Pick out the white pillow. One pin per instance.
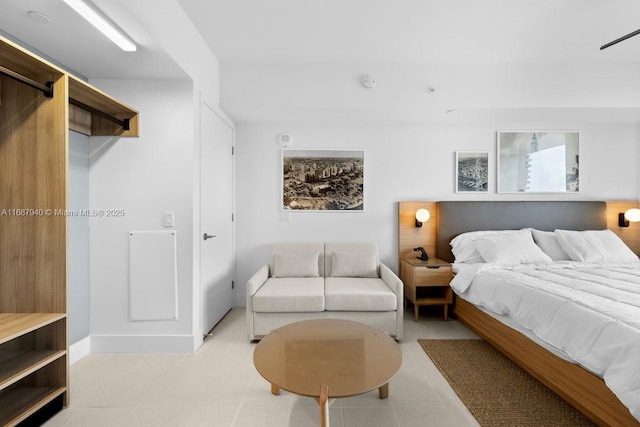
(595, 246)
(302, 264)
(509, 249)
(354, 264)
(548, 242)
(464, 250)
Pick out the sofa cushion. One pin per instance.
(358, 294)
(303, 264)
(290, 294)
(297, 248)
(364, 249)
(354, 264)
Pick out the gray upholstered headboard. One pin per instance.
(458, 217)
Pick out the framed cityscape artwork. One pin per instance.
(539, 162)
(472, 172)
(322, 180)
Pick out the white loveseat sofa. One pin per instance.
(324, 280)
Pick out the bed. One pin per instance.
(578, 385)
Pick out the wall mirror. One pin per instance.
(538, 162)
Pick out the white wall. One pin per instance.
(402, 162)
(78, 247)
(145, 176)
(159, 171)
(170, 27)
(638, 161)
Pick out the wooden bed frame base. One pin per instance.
(585, 391)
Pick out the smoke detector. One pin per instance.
(285, 140)
(369, 82)
(39, 17)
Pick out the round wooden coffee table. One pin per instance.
(350, 357)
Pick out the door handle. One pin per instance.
(207, 236)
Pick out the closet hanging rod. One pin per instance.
(122, 122)
(46, 88)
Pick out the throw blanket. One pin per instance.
(591, 313)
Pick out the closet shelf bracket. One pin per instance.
(122, 122)
(46, 89)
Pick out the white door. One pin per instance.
(216, 210)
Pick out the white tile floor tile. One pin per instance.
(219, 387)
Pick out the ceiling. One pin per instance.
(416, 31)
(71, 42)
(254, 38)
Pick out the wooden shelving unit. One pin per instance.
(39, 104)
(13, 325)
(82, 92)
(24, 402)
(18, 364)
(33, 365)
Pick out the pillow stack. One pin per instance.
(595, 246)
(528, 246)
(505, 247)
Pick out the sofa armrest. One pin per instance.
(257, 280)
(397, 287)
(253, 284)
(392, 281)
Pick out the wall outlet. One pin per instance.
(285, 216)
(168, 219)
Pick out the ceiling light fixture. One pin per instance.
(96, 18)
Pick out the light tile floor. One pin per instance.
(218, 386)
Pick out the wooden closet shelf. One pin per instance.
(13, 325)
(108, 115)
(21, 64)
(23, 402)
(16, 365)
(87, 94)
(24, 62)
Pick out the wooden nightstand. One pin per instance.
(427, 283)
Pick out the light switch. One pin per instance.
(168, 219)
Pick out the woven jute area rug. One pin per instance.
(497, 391)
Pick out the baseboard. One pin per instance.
(79, 349)
(143, 343)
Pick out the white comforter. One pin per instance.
(590, 312)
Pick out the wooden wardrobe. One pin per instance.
(37, 100)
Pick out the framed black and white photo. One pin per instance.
(323, 180)
(472, 172)
(539, 162)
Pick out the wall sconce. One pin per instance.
(422, 215)
(631, 215)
